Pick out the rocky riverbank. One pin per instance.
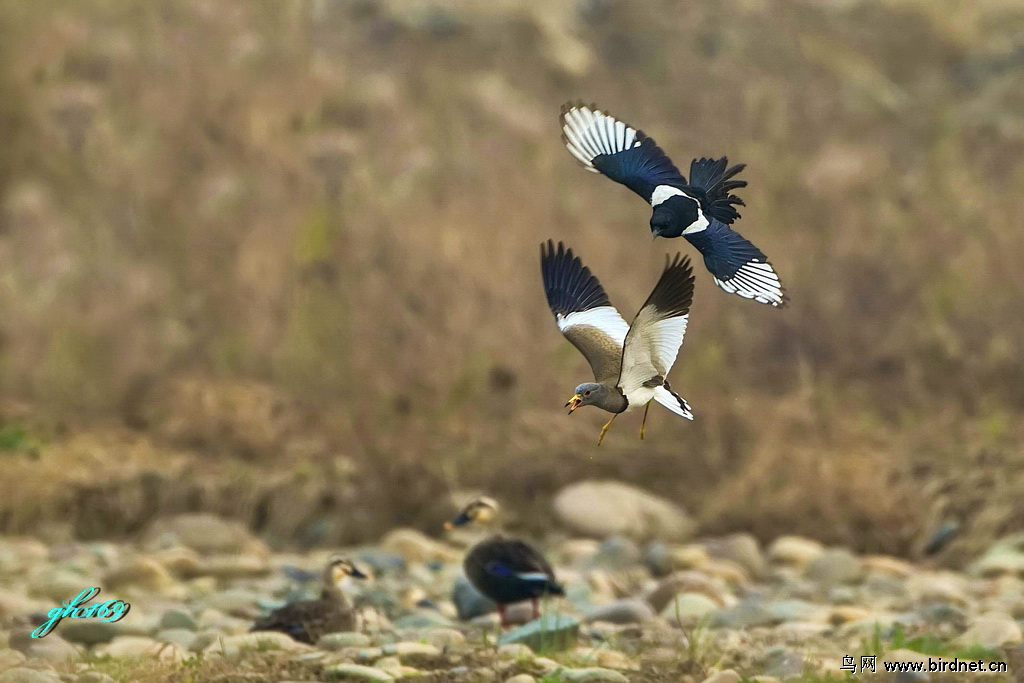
(684, 610)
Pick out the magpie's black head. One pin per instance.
(673, 215)
(661, 222)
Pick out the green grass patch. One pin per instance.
(16, 439)
(925, 643)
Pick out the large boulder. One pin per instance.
(549, 633)
(992, 631)
(1005, 556)
(415, 547)
(623, 611)
(834, 567)
(794, 551)
(22, 674)
(743, 549)
(609, 508)
(469, 602)
(204, 533)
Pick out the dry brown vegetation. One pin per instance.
(297, 242)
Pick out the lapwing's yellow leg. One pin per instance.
(644, 423)
(604, 430)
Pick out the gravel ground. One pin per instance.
(723, 609)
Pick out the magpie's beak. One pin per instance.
(356, 574)
(458, 521)
(573, 403)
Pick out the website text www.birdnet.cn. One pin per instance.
(869, 664)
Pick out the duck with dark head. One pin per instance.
(506, 570)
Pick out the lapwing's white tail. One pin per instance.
(673, 401)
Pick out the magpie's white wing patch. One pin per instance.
(664, 192)
(755, 280)
(739, 267)
(623, 153)
(589, 132)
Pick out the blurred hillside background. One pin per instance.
(279, 260)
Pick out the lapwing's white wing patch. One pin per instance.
(603, 318)
(657, 332)
(599, 334)
(650, 350)
(755, 280)
(583, 311)
(664, 338)
(590, 133)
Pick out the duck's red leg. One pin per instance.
(536, 608)
(501, 613)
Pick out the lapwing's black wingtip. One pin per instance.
(679, 260)
(673, 295)
(549, 251)
(568, 284)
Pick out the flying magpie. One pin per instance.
(700, 210)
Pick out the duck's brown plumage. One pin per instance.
(307, 620)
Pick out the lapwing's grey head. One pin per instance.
(482, 509)
(587, 394)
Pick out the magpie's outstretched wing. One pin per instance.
(606, 145)
(738, 266)
(583, 311)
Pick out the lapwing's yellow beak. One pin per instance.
(574, 403)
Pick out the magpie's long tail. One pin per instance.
(715, 178)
